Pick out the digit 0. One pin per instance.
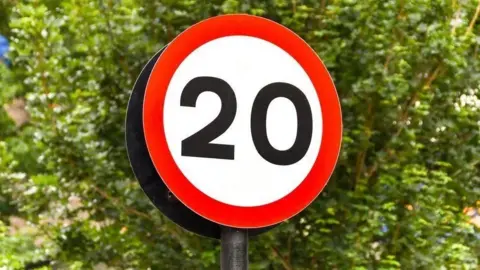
(258, 123)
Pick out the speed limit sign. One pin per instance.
(242, 121)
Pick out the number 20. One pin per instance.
(199, 144)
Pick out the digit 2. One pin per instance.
(199, 144)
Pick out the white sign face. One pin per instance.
(242, 121)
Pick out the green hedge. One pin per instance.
(407, 73)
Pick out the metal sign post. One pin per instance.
(234, 252)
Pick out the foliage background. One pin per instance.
(406, 189)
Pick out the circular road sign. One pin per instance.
(242, 121)
(145, 172)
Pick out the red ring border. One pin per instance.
(182, 188)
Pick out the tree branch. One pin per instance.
(284, 262)
(135, 212)
(403, 115)
(120, 205)
(474, 19)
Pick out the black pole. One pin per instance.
(234, 253)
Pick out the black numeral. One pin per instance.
(199, 144)
(258, 124)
